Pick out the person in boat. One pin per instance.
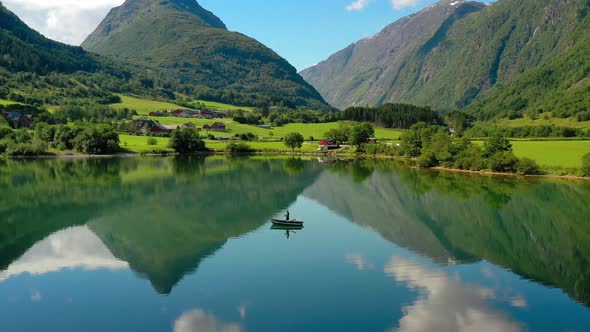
(287, 215)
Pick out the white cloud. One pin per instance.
(68, 21)
(200, 321)
(357, 5)
(401, 4)
(446, 304)
(72, 248)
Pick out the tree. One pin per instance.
(294, 140)
(186, 140)
(361, 133)
(586, 165)
(503, 162)
(496, 143)
(101, 139)
(527, 166)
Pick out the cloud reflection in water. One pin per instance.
(446, 304)
(72, 248)
(200, 321)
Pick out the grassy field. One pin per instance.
(315, 130)
(264, 146)
(144, 106)
(553, 153)
(138, 144)
(8, 102)
(526, 122)
(223, 107)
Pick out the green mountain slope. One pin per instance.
(23, 49)
(464, 59)
(194, 46)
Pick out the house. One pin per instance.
(372, 140)
(170, 127)
(206, 127)
(218, 126)
(328, 144)
(176, 113)
(146, 126)
(19, 120)
(189, 125)
(206, 114)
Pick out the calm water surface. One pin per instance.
(177, 244)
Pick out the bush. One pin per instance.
(238, 147)
(101, 139)
(3, 145)
(152, 141)
(186, 140)
(247, 137)
(34, 148)
(503, 162)
(6, 132)
(586, 165)
(527, 166)
(496, 144)
(470, 158)
(428, 159)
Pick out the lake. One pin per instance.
(185, 244)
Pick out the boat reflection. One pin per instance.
(287, 229)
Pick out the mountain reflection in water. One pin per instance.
(163, 217)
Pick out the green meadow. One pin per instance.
(315, 130)
(549, 154)
(559, 122)
(8, 102)
(139, 144)
(144, 106)
(567, 154)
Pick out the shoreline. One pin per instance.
(73, 156)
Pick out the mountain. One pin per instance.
(454, 53)
(23, 49)
(45, 72)
(193, 45)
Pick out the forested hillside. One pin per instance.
(473, 54)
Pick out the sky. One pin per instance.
(304, 32)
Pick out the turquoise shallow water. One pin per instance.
(185, 244)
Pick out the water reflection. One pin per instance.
(446, 303)
(538, 229)
(162, 217)
(73, 248)
(199, 321)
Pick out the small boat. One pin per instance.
(286, 228)
(290, 223)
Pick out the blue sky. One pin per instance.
(305, 32)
